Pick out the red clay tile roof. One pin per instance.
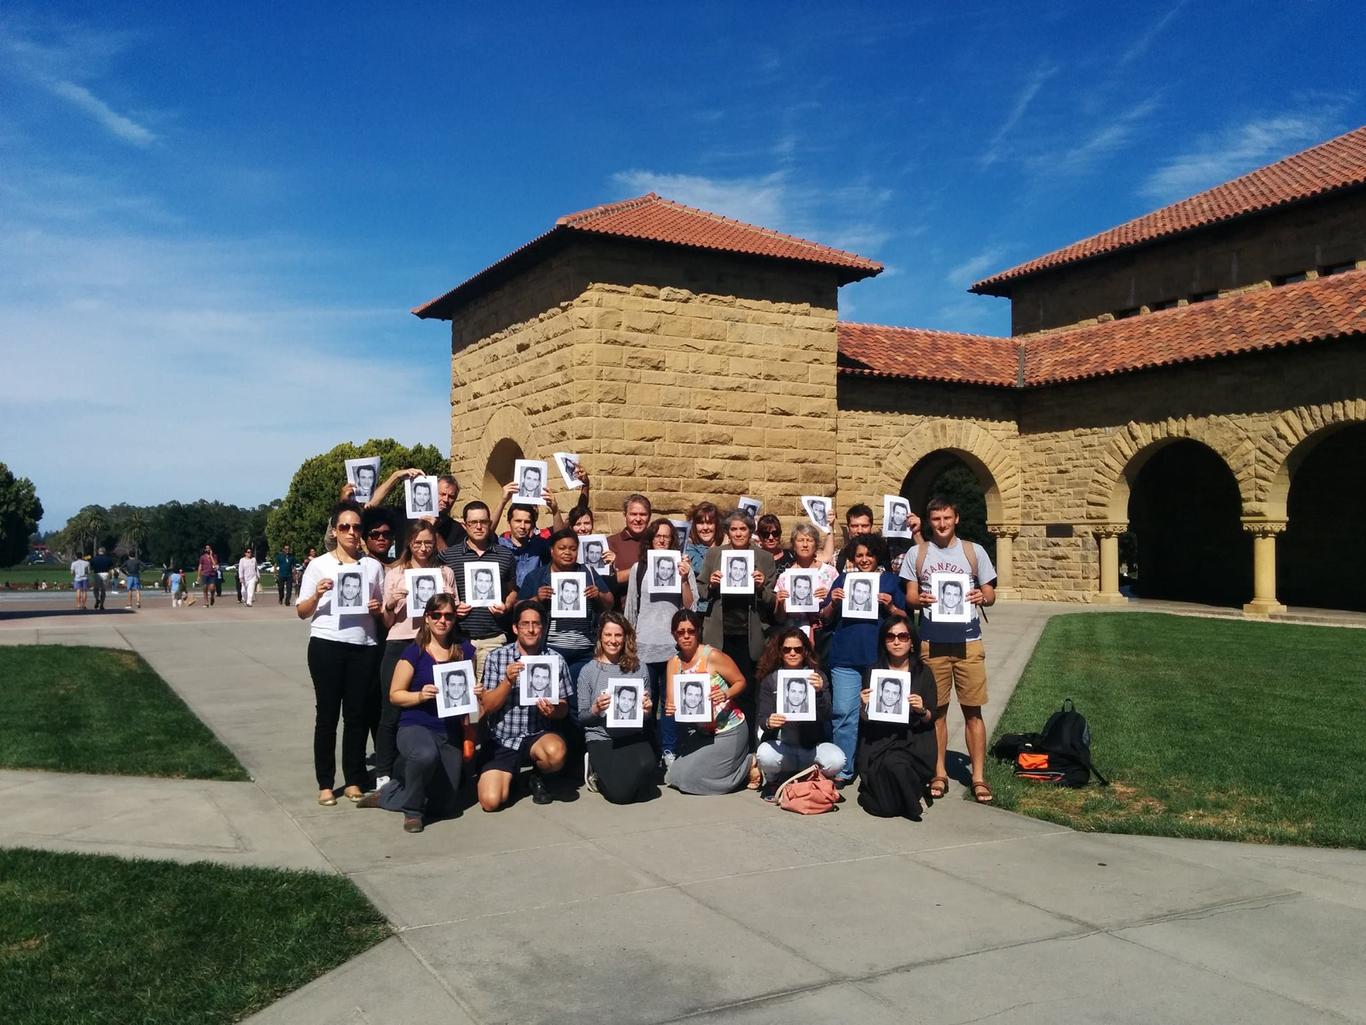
(652, 218)
(1272, 318)
(1336, 164)
(872, 350)
(1299, 314)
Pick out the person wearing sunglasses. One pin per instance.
(896, 760)
(769, 532)
(343, 656)
(785, 748)
(418, 553)
(432, 747)
(712, 757)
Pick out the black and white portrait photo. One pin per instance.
(692, 697)
(818, 511)
(454, 688)
(483, 585)
(681, 529)
(661, 571)
(530, 477)
(889, 699)
(350, 591)
(420, 493)
(568, 464)
(592, 547)
(569, 595)
(896, 516)
(796, 696)
(950, 592)
(749, 506)
(539, 678)
(860, 596)
(626, 704)
(422, 585)
(737, 571)
(362, 474)
(801, 591)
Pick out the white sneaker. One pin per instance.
(380, 782)
(668, 759)
(591, 782)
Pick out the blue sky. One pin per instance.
(214, 219)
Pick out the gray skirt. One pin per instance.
(711, 763)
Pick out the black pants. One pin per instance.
(386, 733)
(625, 768)
(737, 647)
(343, 681)
(285, 587)
(431, 772)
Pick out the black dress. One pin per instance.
(896, 761)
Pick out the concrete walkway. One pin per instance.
(728, 910)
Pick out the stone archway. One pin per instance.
(504, 438)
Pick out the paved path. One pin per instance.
(727, 910)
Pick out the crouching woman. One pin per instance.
(787, 747)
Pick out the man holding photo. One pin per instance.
(953, 651)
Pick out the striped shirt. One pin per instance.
(480, 623)
(513, 723)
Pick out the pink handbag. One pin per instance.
(807, 793)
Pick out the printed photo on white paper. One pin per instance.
(454, 688)
(819, 511)
(626, 702)
(350, 591)
(749, 506)
(363, 475)
(692, 697)
(592, 548)
(860, 596)
(950, 591)
(539, 678)
(568, 595)
(568, 464)
(896, 516)
(483, 585)
(801, 587)
(737, 571)
(420, 496)
(530, 477)
(661, 571)
(890, 697)
(681, 529)
(796, 695)
(422, 586)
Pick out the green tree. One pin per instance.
(133, 536)
(301, 519)
(20, 512)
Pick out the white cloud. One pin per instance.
(1141, 44)
(116, 124)
(1023, 99)
(1236, 150)
(971, 269)
(760, 200)
(1110, 137)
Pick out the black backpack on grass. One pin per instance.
(1060, 754)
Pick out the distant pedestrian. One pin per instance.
(132, 569)
(80, 579)
(176, 584)
(247, 576)
(101, 566)
(208, 574)
(284, 575)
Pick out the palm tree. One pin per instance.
(135, 532)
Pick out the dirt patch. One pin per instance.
(22, 947)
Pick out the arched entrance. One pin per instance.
(1320, 560)
(498, 471)
(945, 472)
(1185, 514)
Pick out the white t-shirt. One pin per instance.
(948, 560)
(246, 570)
(360, 629)
(80, 569)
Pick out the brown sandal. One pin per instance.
(756, 778)
(981, 792)
(939, 786)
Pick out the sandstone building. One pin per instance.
(1196, 376)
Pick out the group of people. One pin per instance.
(97, 574)
(709, 654)
(247, 571)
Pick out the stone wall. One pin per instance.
(1223, 258)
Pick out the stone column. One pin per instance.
(1264, 533)
(1107, 535)
(1005, 535)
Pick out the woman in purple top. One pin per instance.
(427, 786)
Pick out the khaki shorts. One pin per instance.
(482, 647)
(957, 667)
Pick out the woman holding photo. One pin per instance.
(432, 747)
(735, 623)
(806, 541)
(702, 536)
(418, 553)
(572, 637)
(853, 642)
(343, 657)
(652, 616)
(621, 760)
(713, 757)
(896, 760)
(785, 748)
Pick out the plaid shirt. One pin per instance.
(513, 723)
(480, 623)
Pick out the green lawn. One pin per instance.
(100, 710)
(99, 940)
(1206, 728)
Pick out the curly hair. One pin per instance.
(772, 658)
(629, 660)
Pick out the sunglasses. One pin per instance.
(380, 534)
(770, 533)
(684, 631)
(440, 615)
(477, 523)
(347, 528)
(789, 649)
(898, 637)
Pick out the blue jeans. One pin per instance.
(668, 729)
(846, 683)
